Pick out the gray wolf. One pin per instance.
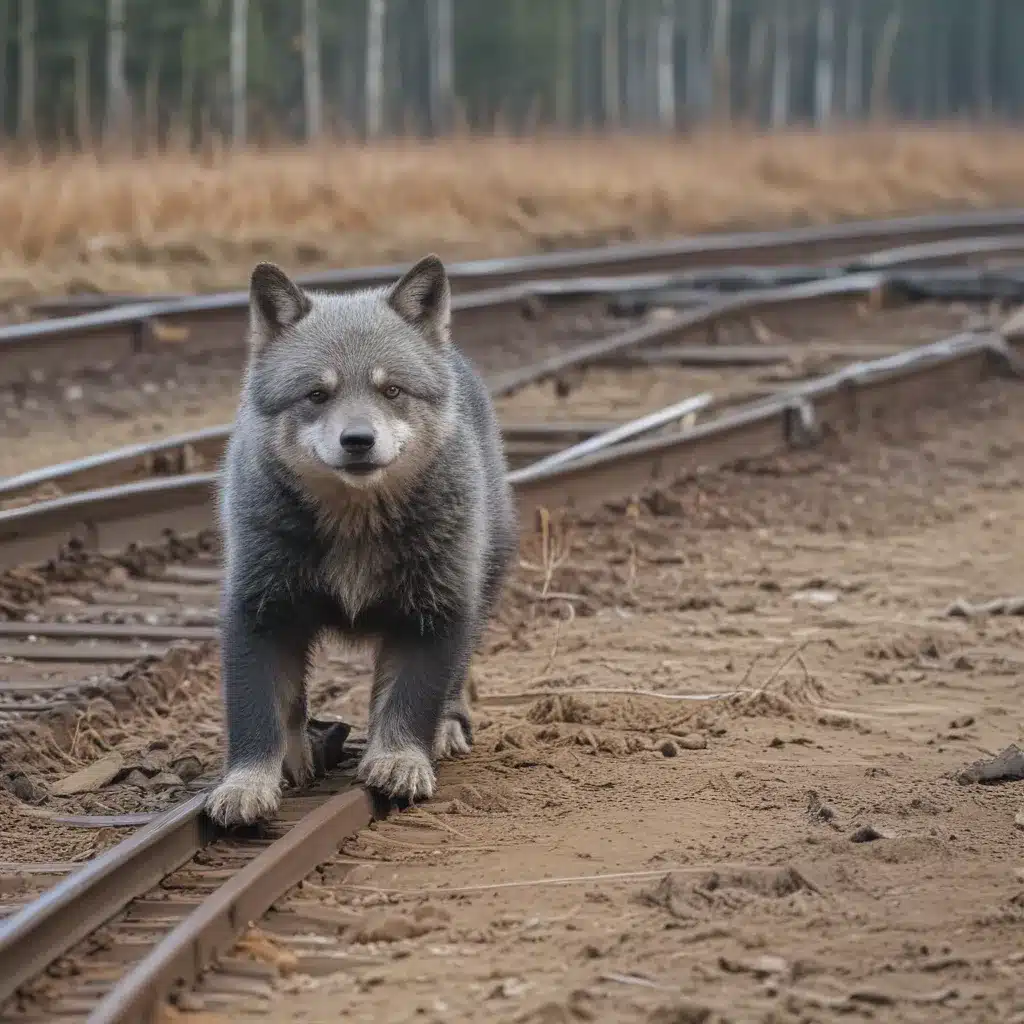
(363, 495)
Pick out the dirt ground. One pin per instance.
(799, 849)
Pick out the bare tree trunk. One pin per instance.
(188, 85)
(117, 89)
(152, 113)
(239, 71)
(374, 88)
(666, 63)
(757, 60)
(883, 63)
(27, 71)
(312, 85)
(5, 17)
(854, 87)
(564, 70)
(721, 70)
(80, 58)
(442, 60)
(982, 55)
(824, 68)
(781, 67)
(633, 104)
(610, 65)
(696, 65)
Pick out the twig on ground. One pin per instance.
(963, 609)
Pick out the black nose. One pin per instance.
(357, 438)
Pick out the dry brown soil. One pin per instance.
(799, 850)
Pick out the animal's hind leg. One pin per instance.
(455, 730)
(298, 756)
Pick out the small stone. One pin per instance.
(668, 748)
(23, 788)
(866, 834)
(74, 393)
(963, 722)
(187, 768)
(1019, 820)
(693, 741)
(138, 779)
(164, 780)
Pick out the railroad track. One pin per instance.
(142, 922)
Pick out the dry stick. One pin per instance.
(617, 691)
(615, 876)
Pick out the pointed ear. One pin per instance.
(423, 298)
(276, 302)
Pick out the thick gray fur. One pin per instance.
(364, 494)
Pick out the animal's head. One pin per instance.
(356, 389)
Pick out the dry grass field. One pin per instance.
(190, 222)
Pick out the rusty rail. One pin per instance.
(215, 321)
(150, 510)
(189, 452)
(814, 242)
(48, 927)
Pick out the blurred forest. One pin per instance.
(153, 73)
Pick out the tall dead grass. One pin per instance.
(180, 221)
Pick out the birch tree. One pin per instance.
(779, 114)
(442, 62)
(665, 33)
(117, 89)
(239, 70)
(824, 68)
(610, 67)
(312, 85)
(27, 70)
(374, 89)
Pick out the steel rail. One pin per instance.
(633, 428)
(211, 929)
(183, 453)
(53, 923)
(21, 540)
(703, 250)
(684, 325)
(214, 321)
(46, 928)
(149, 511)
(857, 393)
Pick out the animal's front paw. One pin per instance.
(402, 773)
(246, 795)
(298, 759)
(452, 739)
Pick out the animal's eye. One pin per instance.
(317, 396)
(392, 391)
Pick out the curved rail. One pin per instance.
(147, 511)
(150, 510)
(192, 451)
(705, 250)
(53, 923)
(215, 321)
